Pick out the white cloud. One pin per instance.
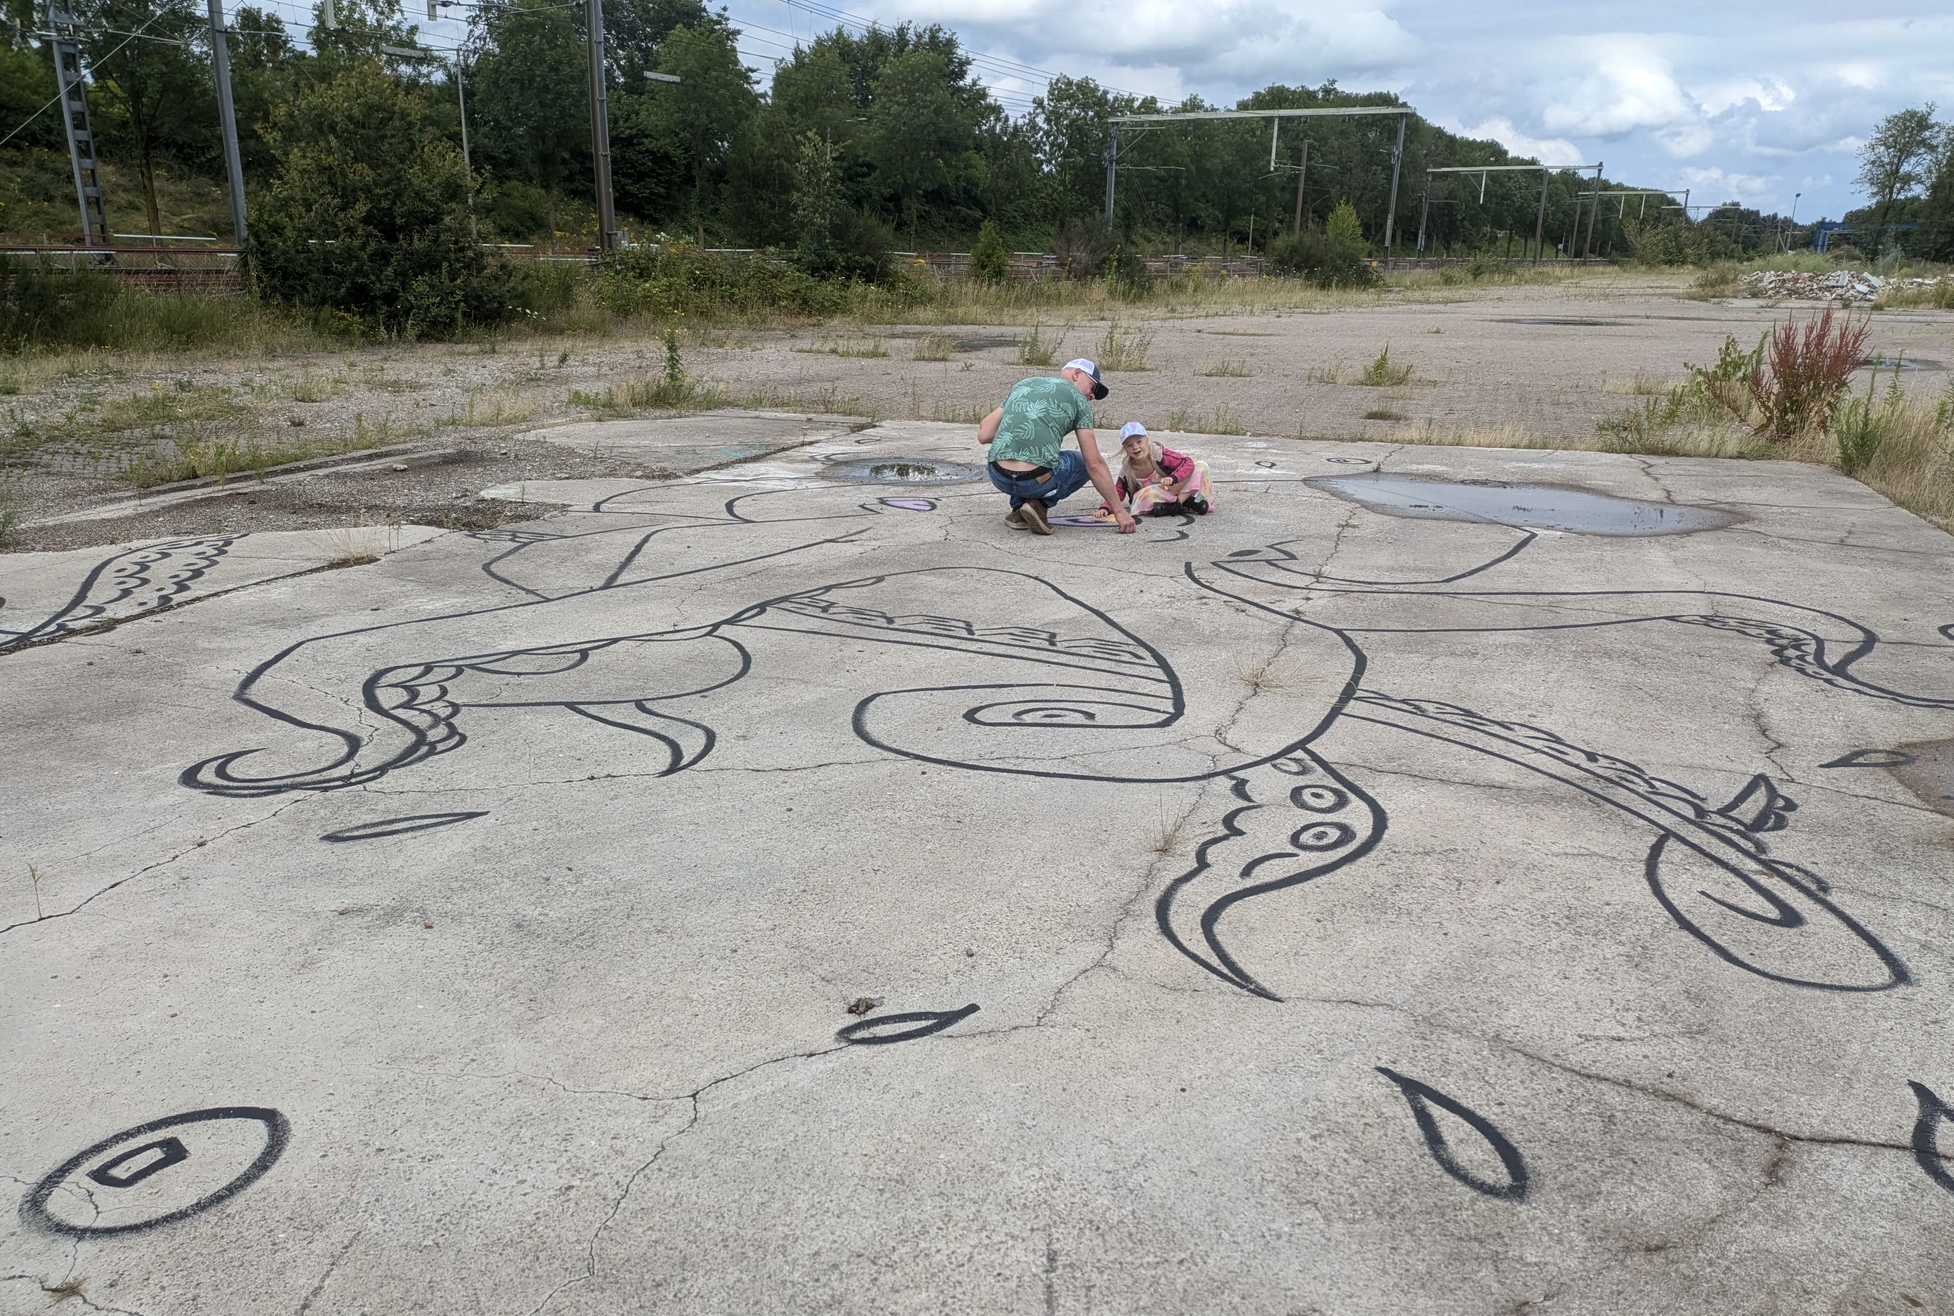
(1714, 186)
(1547, 150)
(1628, 87)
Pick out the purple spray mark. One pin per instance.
(911, 504)
(1079, 520)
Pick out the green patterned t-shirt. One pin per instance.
(1040, 412)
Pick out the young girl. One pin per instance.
(1157, 481)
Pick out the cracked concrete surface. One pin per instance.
(530, 876)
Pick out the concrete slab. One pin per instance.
(49, 595)
(768, 892)
(693, 442)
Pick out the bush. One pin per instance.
(856, 247)
(44, 306)
(366, 222)
(1127, 275)
(989, 261)
(1336, 259)
(676, 280)
(1803, 371)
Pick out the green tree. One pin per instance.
(266, 66)
(633, 31)
(918, 128)
(530, 99)
(1893, 163)
(707, 108)
(367, 215)
(989, 261)
(817, 191)
(153, 98)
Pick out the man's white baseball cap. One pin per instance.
(1080, 363)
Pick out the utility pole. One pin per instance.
(1587, 244)
(1397, 161)
(220, 56)
(1112, 172)
(467, 166)
(608, 238)
(1540, 224)
(1424, 213)
(1302, 174)
(74, 119)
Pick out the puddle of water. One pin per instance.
(902, 470)
(981, 344)
(1570, 320)
(1534, 506)
(1927, 769)
(1885, 363)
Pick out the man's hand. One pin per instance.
(1127, 525)
(987, 428)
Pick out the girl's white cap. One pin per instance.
(1129, 429)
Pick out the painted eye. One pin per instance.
(1318, 799)
(166, 1170)
(1322, 836)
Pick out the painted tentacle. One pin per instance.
(1744, 899)
(1295, 820)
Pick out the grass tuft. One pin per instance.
(1225, 369)
(1124, 349)
(1383, 373)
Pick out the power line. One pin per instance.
(157, 17)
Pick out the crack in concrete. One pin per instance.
(160, 863)
(110, 623)
(331, 1266)
(664, 1144)
(1627, 1085)
(63, 1291)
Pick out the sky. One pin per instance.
(1734, 99)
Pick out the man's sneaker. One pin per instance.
(1033, 513)
(1016, 519)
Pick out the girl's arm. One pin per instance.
(1179, 466)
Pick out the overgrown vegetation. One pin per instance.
(1383, 372)
(367, 222)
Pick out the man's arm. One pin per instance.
(1102, 480)
(987, 428)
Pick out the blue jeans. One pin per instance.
(1063, 480)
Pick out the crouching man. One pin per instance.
(1024, 435)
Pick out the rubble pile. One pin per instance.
(1838, 285)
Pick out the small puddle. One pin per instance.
(1534, 506)
(981, 344)
(1927, 769)
(902, 470)
(1894, 364)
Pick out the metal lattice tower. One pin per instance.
(74, 118)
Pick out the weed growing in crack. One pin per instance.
(1382, 373)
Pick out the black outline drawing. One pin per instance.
(33, 1207)
(167, 569)
(1926, 1134)
(1103, 691)
(1872, 758)
(1421, 1097)
(863, 1032)
(402, 826)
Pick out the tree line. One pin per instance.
(857, 138)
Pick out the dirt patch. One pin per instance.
(446, 493)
